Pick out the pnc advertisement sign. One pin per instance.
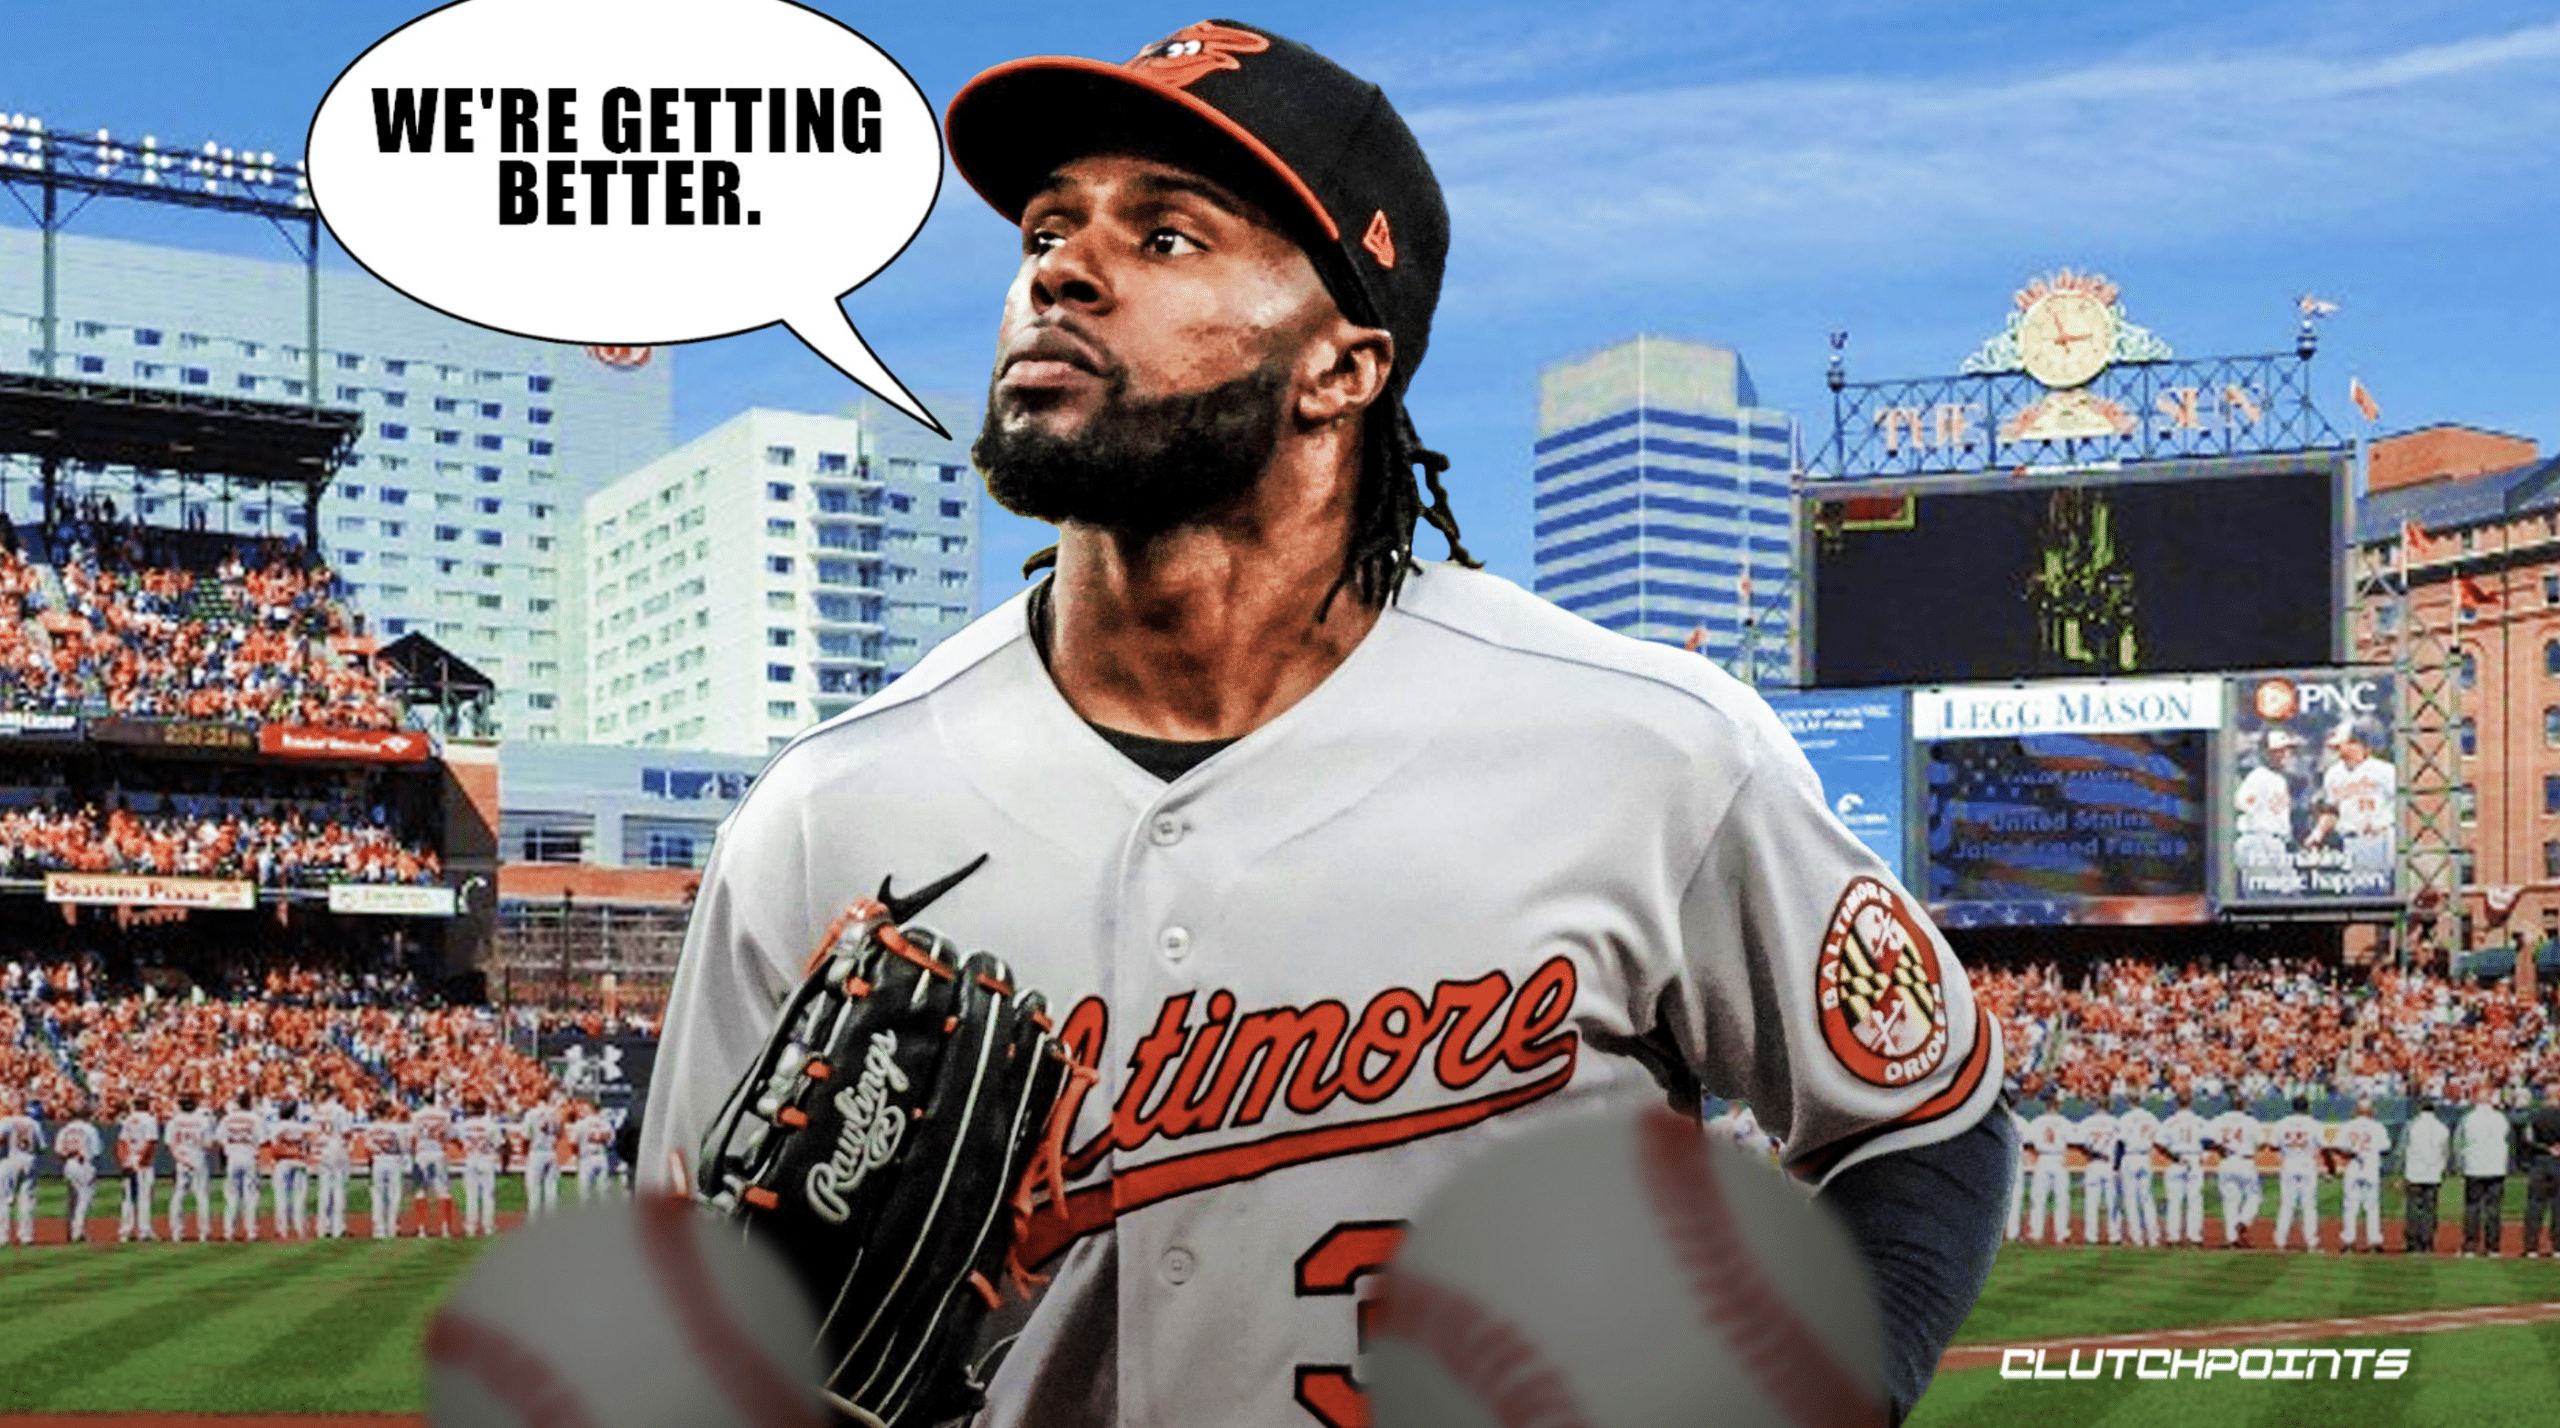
(2315, 801)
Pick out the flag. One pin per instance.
(1696, 641)
(2474, 594)
(2413, 546)
(2363, 399)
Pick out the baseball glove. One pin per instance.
(887, 1141)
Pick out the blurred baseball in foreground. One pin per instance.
(630, 1314)
(1623, 1270)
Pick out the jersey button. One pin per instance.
(1178, 1265)
(1176, 942)
(1166, 830)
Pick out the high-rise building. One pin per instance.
(770, 573)
(1663, 504)
(455, 515)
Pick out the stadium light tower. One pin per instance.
(41, 167)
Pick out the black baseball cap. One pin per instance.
(1319, 144)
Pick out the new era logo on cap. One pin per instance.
(1380, 242)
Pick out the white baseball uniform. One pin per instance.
(290, 1137)
(331, 1164)
(388, 1139)
(2364, 1139)
(2140, 1131)
(2049, 1136)
(136, 1136)
(2097, 1135)
(190, 1144)
(541, 1159)
(2026, 1170)
(430, 1128)
(480, 1138)
(2366, 801)
(1369, 917)
(240, 1133)
(2182, 1134)
(20, 1138)
(78, 1145)
(2236, 1174)
(593, 1137)
(2298, 1138)
(2264, 848)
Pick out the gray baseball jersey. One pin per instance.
(1499, 864)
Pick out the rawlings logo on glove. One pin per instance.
(870, 1132)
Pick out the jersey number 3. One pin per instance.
(1333, 1265)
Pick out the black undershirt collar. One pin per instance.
(1167, 759)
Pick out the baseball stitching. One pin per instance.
(1487, 1356)
(517, 1376)
(1776, 1349)
(750, 1378)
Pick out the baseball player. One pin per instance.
(430, 1154)
(2018, 1182)
(2049, 1136)
(2539, 1147)
(2363, 1141)
(541, 1123)
(2264, 848)
(1238, 686)
(190, 1148)
(2234, 1137)
(592, 1135)
(479, 1135)
(2425, 1151)
(77, 1146)
(2138, 1131)
(2359, 801)
(2182, 1134)
(331, 1163)
(2098, 1179)
(387, 1137)
(242, 1134)
(2301, 1141)
(289, 1145)
(20, 1138)
(137, 1132)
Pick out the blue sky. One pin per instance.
(1750, 175)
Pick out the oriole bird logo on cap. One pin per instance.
(1195, 50)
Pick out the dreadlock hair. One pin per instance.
(1385, 509)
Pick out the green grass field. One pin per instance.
(335, 1326)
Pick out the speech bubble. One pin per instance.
(627, 173)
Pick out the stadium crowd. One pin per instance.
(108, 631)
(2260, 1030)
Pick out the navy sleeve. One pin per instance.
(1928, 1222)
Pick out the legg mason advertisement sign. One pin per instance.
(2315, 791)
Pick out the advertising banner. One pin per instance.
(51, 728)
(391, 899)
(612, 1071)
(2315, 789)
(390, 746)
(2072, 802)
(1857, 743)
(175, 734)
(113, 889)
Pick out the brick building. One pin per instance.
(2480, 624)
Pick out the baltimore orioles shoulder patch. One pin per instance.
(1879, 988)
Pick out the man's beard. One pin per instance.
(1140, 466)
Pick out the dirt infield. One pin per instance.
(2292, 1331)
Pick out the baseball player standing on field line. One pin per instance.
(2026, 1169)
(2363, 1141)
(387, 1136)
(2298, 1139)
(2426, 1149)
(592, 1135)
(289, 1141)
(2234, 1137)
(77, 1145)
(430, 1153)
(190, 1146)
(2182, 1134)
(2484, 1143)
(2049, 1138)
(331, 1163)
(242, 1133)
(20, 1137)
(2139, 1131)
(479, 1136)
(2098, 1179)
(541, 1124)
(137, 1134)
(1243, 763)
